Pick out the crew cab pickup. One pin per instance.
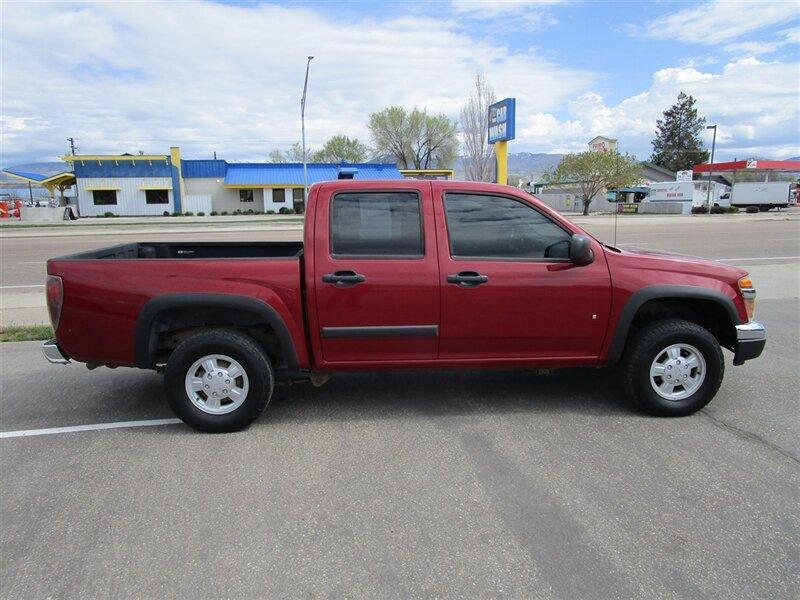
(401, 275)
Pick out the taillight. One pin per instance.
(748, 295)
(54, 289)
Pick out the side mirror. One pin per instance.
(580, 250)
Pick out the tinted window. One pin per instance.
(156, 196)
(104, 197)
(496, 227)
(376, 224)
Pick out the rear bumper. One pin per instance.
(750, 341)
(53, 353)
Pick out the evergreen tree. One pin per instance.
(677, 145)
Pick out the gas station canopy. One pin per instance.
(790, 166)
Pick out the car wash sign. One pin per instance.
(501, 120)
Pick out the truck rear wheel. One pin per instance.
(673, 368)
(218, 381)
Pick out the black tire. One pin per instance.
(237, 346)
(646, 344)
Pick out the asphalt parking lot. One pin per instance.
(418, 484)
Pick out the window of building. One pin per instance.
(279, 195)
(376, 224)
(483, 226)
(298, 200)
(245, 195)
(104, 197)
(156, 196)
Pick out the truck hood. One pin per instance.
(685, 263)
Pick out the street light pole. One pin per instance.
(303, 130)
(711, 167)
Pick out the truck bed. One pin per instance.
(207, 250)
(106, 289)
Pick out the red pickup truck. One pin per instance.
(401, 275)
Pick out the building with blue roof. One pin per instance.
(269, 186)
(128, 184)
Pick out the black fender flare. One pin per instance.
(656, 292)
(144, 338)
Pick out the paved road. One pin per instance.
(413, 485)
(738, 239)
(416, 485)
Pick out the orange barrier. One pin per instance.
(3, 209)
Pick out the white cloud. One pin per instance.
(753, 103)
(790, 37)
(529, 14)
(228, 78)
(717, 22)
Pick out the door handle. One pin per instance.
(343, 278)
(467, 279)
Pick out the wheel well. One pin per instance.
(173, 325)
(707, 313)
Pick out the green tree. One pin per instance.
(594, 172)
(341, 148)
(414, 139)
(677, 145)
(293, 154)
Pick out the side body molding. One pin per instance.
(657, 292)
(144, 338)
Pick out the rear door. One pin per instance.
(509, 290)
(376, 274)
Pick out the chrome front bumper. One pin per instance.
(750, 341)
(53, 353)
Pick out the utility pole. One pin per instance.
(71, 145)
(711, 167)
(303, 130)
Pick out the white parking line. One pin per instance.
(758, 258)
(96, 426)
(16, 287)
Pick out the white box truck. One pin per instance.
(692, 193)
(764, 195)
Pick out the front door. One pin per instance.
(298, 200)
(376, 275)
(509, 291)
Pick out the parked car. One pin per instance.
(401, 275)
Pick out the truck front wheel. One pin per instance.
(218, 381)
(673, 368)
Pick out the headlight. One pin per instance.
(748, 295)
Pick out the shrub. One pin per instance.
(270, 212)
(751, 210)
(718, 210)
(250, 211)
(109, 214)
(213, 213)
(176, 214)
(733, 210)
(698, 210)
(165, 213)
(224, 213)
(284, 211)
(238, 211)
(201, 214)
(188, 213)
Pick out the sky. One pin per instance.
(227, 76)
